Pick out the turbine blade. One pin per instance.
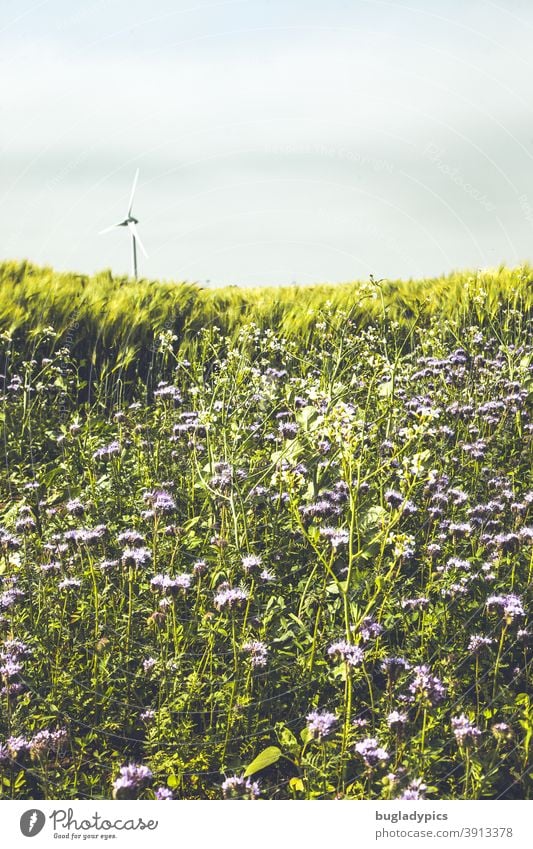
(135, 234)
(130, 207)
(108, 229)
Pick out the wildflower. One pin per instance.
(25, 524)
(69, 584)
(371, 752)
(161, 501)
(336, 536)
(414, 791)
(510, 605)
(415, 603)
(163, 793)
(228, 597)
(238, 787)
(85, 536)
(105, 565)
(171, 586)
(478, 642)
(393, 666)
(171, 393)
(369, 629)
(321, 725)
(132, 778)
(464, 731)
(396, 720)
(394, 498)
(251, 562)
(75, 507)
(147, 715)
(46, 741)
(460, 529)
(288, 430)
(149, 663)
(350, 654)
(199, 568)
(267, 576)
(107, 451)
(502, 731)
(17, 747)
(223, 477)
(130, 537)
(9, 597)
(426, 687)
(10, 668)
(136, 557)
(258, 652)
(8, 542)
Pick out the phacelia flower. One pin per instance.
(321, 724)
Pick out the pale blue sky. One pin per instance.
(277, 141)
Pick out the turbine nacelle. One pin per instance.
(131, 223)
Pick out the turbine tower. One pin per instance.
(131, 223)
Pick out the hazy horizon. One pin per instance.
(277, 142)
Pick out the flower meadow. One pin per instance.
(269, 569)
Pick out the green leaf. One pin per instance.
(287, 738)
(267, 757)
(172, 781)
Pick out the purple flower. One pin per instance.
(350, 654)
(464, 731)
(75, 507)
(107, 451)
(477, 642)
(130, 537)
(251, 563)
(228, 597)
(415, 603)
(69, 584)
(288, 430)
(171, 393)
(10, 668)
(163, 793)
(321, 724)
(394, 498)
(136, 557)
(161, 501)
(171, 586)
(369, 629)
(371, 752)
(9, 597)
(510, 605)
(8, 542)
(132, 778)
(414, 791)
(147, 715)
(223, 477)
(425, 687)
(336, 536)
(258, 652)
(238, 787)
(47, 742)
(394, 665)
(199, 568)
(17, 747)
(502, 731)
(396, 720)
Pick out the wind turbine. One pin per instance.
(131, 223)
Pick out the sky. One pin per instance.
(278, 141)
